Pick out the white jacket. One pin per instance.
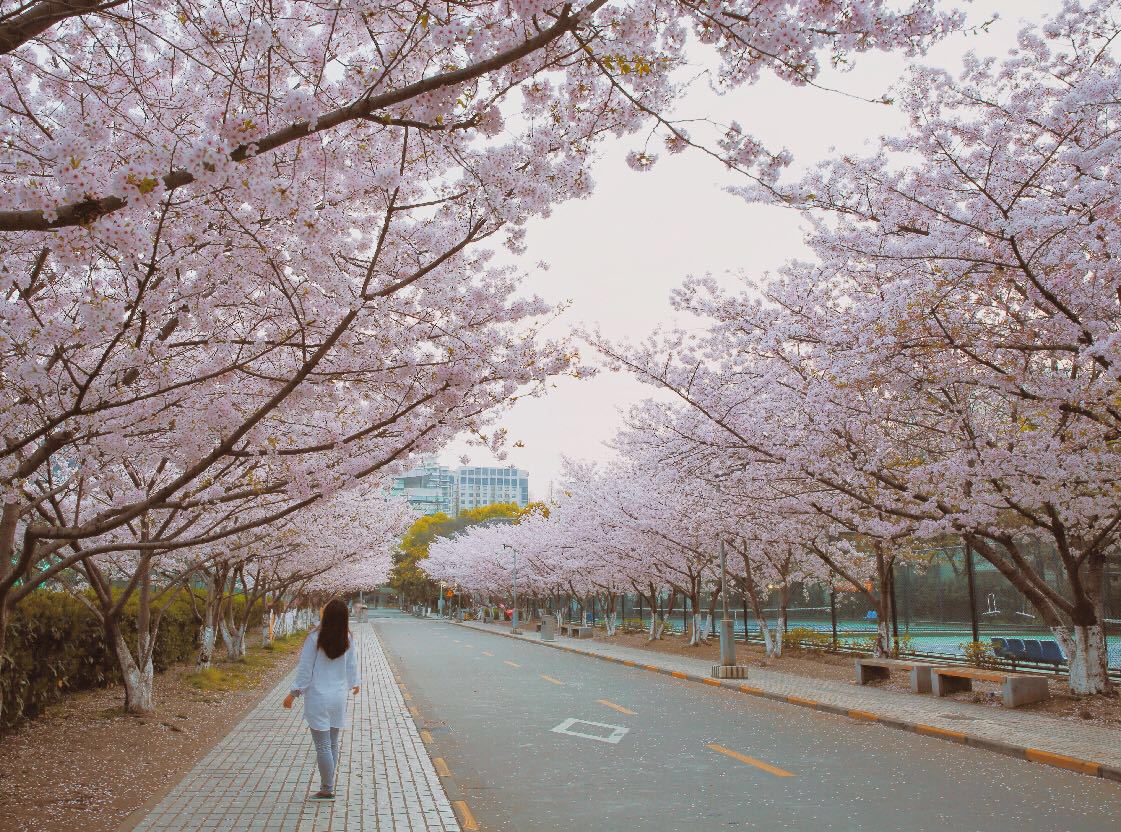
(324, 683)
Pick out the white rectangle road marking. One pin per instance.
(617, 732)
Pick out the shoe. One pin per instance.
(323, 795)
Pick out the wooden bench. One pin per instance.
(1017, 688)
(870, 669)
(577, 630)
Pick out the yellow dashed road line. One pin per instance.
(550, 679)
(512, 664)
(615, 707)
(441, 767)
(487, 653)
(751, 761)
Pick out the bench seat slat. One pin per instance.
(975, 673)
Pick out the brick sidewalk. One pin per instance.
(1065, 743)
(261, 775)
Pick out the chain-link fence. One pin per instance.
(934, 614)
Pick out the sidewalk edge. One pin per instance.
(1036, 755)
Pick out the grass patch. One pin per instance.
(287, 644)
(244, 673)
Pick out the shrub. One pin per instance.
(807, 639)
(56, 644)
(978, 654)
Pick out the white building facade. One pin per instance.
(481, 486)
(432, 488)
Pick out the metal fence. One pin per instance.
(935, 611)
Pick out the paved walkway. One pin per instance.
(1066, 743)
(261, 775)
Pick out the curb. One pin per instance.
(455, 795)
(1035, 755)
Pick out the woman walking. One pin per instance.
(328, 666)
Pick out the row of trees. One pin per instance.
(245, 264)
(946, 367)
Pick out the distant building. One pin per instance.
(476, 486)
(432, 488)
(429, 488)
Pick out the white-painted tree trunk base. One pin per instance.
(206, 646)
(1087, 658)
(138, 681)
(695, 636)
(883, 641)
(768, 643)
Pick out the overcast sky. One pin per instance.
(616, 255)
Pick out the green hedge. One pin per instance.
(55, 644)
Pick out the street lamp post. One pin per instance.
(514, 614)
(727, 631)
(727, 669)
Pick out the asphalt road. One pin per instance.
(695, 757)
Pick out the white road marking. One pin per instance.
(617, 732)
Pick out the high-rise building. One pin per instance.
(480, 486)
(429, 487)
(432, 488)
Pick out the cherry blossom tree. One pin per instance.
(947, 364)
(246, 244)
(250, 197)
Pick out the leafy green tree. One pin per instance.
(408, 576)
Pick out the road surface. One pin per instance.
(540, 739)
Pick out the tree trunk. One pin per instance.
(1087, 656)
(207, 637)
(208, 631)
(234, 640)
(710, 623)
(694, 607)
(882, 645)
(4, 613)
(752, 593)
(138, 678)
(696, 634)
(784, 606)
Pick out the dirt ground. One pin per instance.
(85, 765)
(1103, 711)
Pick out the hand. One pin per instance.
(355, 690)
(289, 699)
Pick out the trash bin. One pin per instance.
(548, 628)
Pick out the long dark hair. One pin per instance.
(334, 635)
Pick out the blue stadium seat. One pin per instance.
(1034, 651)
(1014, 649)
(1052, 653)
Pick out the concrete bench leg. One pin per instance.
(870, 672)
(920, 679)
(945, 685)
(1024, 690)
